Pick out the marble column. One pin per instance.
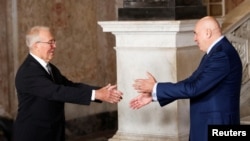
(167, 50)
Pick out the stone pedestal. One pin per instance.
(161, 10)
(167, 50)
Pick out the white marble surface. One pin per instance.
(151, 46)
(151, 33)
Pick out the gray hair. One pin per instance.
(32, 35)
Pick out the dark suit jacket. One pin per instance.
(41, 100)
(213, 89)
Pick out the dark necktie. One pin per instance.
(50, 71)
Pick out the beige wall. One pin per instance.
(216, 7)
(84, 53)
(231, 4)
(188, 59)
(4, 69)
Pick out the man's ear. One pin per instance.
(209, 33)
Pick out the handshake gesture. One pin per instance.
(144, 87)
(109, 94)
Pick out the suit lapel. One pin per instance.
(203, 60)
(30, 58)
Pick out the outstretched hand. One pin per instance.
(109, 93)
(145, 85)
(141, 100)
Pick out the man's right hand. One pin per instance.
(109, 94)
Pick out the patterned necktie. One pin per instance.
(50, 71)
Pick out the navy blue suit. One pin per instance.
(213, 90)
(41, 100)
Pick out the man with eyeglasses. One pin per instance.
(42, 92)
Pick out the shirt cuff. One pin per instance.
(93, 95)
(154, 96)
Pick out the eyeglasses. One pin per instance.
(51, 42)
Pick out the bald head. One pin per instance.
(207, 31)
(210, 23)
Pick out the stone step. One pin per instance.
(245, 120)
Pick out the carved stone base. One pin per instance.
(174, 13)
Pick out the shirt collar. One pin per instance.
(211, 46)
(41, 61)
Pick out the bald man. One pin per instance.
(213, 88)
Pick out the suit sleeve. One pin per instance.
(208, 75)
(32, 80)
